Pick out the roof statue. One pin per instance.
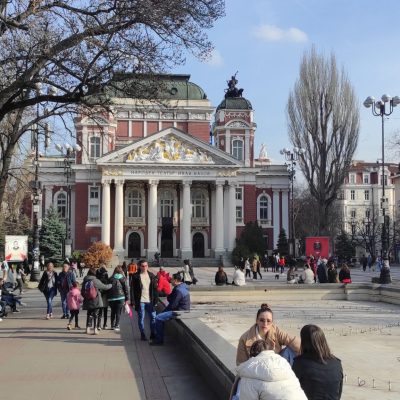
(263, 152)
(232, 90)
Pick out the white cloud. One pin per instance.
(272, 33)
(215, 59)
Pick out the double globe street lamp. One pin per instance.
(69, 152)
(292, 156)
(383, 108)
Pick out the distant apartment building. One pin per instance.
(361, 202)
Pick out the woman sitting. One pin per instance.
(220, 277)
(320, 373)
(265, 329)
(266, 376)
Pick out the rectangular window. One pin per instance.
(352, 178)
(94, 148)
(352, 194)
(366, 178)
(94, 192)
(386, 180)
(239, 193)
(239, 214)
(94, 205)
(367, 214)
(366, 194)
(352, 214)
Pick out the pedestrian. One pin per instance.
(8, 298)
(102, 275)
(266, 375)
(117, 296)
(265, 261)
(320, 373)
(221, 278)
(42, 262)
(132, 269)
(80, 269)
(187, 278)
(74, 301)
(322, 272)
(74, 268)
(191, 272)
(238, 278)
(364, 261)
(178, 300)
(384, 277)
(48, 286)
(64, 283)
(307, 275)
(145, 297)
(125, 269)
(332, 273)
(19, 278)
(281, 264)
(369, 261)
(92, 299)
(265, 329)
(247, 267)
(344, 274)
(163, 283)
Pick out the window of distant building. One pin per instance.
(134, 204)
(264, 209)
(366, 195)
(237, 149)
(386, 180)
(366, 178)
(239, 193)
(239, 214)
(94, 204)
(61, 204)
(94, 148)
(352, 178)
(353, 214)
(239, 205)
(352, 194)
(198, 205)
(367, 214)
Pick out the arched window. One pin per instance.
(134, 204)
(167, 204)
(61, 204)
(94, 147)
(264, 208)
(198, 205)
(237, 149)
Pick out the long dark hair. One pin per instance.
(314, 344)
(258, 346)
(264, 308)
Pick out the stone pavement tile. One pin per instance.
(188, 387)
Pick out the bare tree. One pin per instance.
(323, 118)
(74, 48)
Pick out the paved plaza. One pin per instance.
(42, 360)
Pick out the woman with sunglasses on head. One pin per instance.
(265, 329)
(320, 373)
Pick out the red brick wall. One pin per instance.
(152, 127)
(249, 204)
(167, 124)
(183, 126)
(82, 238)
(137, 128)
(122, 129)
(200, 130)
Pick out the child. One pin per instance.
(74, 301)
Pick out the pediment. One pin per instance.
(170, 147)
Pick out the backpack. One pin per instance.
(90, 291)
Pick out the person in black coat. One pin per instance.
(320, 373)
(384, 277)
(221, 277)
(322, 273)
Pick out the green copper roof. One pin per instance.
(235, 103)
(160, 86)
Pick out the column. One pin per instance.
(228, 148)
(285, 212)
(276, 211)
(247, 148)
(119, 217)
(219, 219)
(186, 245)
(105, 213)
(152, 220)
(213, 216)
(232, 215)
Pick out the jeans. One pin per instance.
(288, 354)
(103, 313)
(49, 299)
(160, 319)
(64, 302)
(74, 314)
(116, 309)
(149, 309)
(92, 315)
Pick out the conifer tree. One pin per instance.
(283, 245)
(52, 235)
(344, 247)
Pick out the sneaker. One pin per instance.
(48, 316)
(116, 329)
(96, 331)
(16, 311)
(1, 319)
(69, 327)
(51, 315)
(88, 330)
(98, 328)
(143, 337)
(105, 327)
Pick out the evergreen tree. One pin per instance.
(250, 242)
(344, 247)
(52, 235)
(283, 245)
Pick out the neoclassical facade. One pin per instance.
(178, 176)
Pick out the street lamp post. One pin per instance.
(383, 108)
(292, 156)
(69, 153)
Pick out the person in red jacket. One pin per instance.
(163, 286)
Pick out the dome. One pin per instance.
(235, 103)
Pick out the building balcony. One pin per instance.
(200, 221)
(264, 222)
(174, 221)
(134, 221)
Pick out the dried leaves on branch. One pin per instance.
(323, 118)
(98, 253)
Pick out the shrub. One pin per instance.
(97, 254)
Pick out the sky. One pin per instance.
(264, 41)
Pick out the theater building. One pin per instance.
(178, 176)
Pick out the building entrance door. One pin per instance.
(134, 245)
(167, 243)
(198, 245)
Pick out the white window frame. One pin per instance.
(352, 179)
(353, 214)
(56, 205)
(139, 203)
(238, 150)
(199, 203)
(366, 179)
(264, 221)
(366, 195)
(239, 193)
(352, 194)
(93, 202)
(239, 214)
(95, 156)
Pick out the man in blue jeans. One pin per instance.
(145, 296)
(178, 300)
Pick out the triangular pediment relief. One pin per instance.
(169, 147)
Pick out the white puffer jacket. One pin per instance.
(268, 377)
